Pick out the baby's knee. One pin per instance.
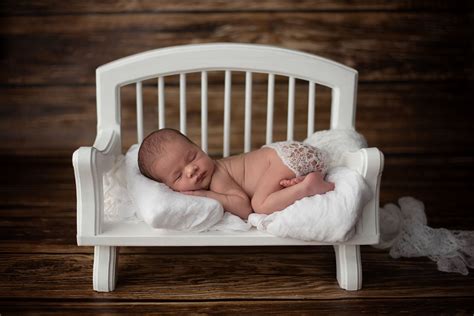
(259, 207)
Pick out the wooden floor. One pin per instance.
(42, 271)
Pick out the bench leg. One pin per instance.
(349, 267)
(105, 268)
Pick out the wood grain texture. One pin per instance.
(22, 7)
(204, 277)
(397, 118)
(395, 46)
(353, 306)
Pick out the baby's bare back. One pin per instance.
(247, 169)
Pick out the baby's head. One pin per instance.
(170, 157)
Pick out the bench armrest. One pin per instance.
(369, 162)
(90, 164)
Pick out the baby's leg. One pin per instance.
(271, 197)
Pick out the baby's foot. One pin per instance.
(289, 182)
(315, 184)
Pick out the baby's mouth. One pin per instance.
(201, 177)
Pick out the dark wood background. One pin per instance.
(414, 60)
(415, 63)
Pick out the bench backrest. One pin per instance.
(249, 58)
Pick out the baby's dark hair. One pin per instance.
(153, 146)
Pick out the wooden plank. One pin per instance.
(203, 277)
(396, 117)
(351, 306)
(15, 7)
(36, 172)
(385, 46)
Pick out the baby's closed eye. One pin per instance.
(191, 157)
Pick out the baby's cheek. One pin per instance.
(174, 187)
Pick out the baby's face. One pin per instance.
(184, 167)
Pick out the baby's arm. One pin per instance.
(224, 189)
(234, 201)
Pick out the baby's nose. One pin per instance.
(191, 170)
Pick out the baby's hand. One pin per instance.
(196, 192)
(289, 182)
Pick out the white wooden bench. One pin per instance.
(90, 163)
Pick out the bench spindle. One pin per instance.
(204, 145)
(139, 92)
(161, 102)
(270, 99)
(227, 104)
(248, 111)
(311, 105)
(291, 108)
(182, 103)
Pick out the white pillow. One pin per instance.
(161, 207)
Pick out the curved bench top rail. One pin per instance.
(226, 56)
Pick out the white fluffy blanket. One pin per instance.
(329, 218)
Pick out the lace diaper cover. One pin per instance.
(301, 158)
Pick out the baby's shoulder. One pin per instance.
(221, 176)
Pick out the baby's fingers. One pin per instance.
(289, 182)
(196, 193)
(189, 192)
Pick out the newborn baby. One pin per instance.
(264, 181)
